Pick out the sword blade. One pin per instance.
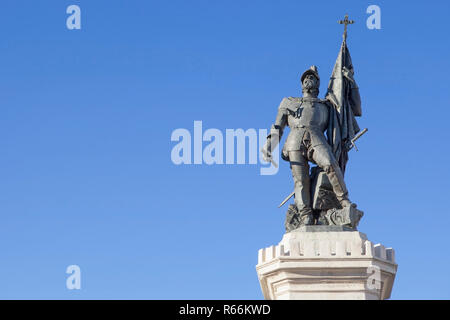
(287, 198)
(359, 135)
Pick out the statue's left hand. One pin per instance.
(348, 74)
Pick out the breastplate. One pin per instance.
(309, 113)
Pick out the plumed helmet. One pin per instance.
(312, 70)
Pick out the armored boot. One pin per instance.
(336, 178)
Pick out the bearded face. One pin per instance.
(310, 85)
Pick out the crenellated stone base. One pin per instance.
(326, 262)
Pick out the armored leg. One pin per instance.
(325, 159)
(300, 173)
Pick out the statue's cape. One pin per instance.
(343, 95)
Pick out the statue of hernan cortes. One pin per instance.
(322, 131)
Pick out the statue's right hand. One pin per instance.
(267, 156)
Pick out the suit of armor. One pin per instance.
(308, 119)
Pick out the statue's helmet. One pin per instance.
(312, 70)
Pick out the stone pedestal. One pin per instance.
(328, 263)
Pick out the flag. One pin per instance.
(343, 94)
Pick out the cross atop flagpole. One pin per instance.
(346, 22)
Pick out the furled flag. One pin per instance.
(343, 93)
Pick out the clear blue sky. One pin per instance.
(86, 118)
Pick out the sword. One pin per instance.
(352, 144)
(273, 163)
(287, 198)
(270, 159)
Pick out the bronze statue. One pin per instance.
(321, 195)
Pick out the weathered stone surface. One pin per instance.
(317, 262)
(348, 216)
